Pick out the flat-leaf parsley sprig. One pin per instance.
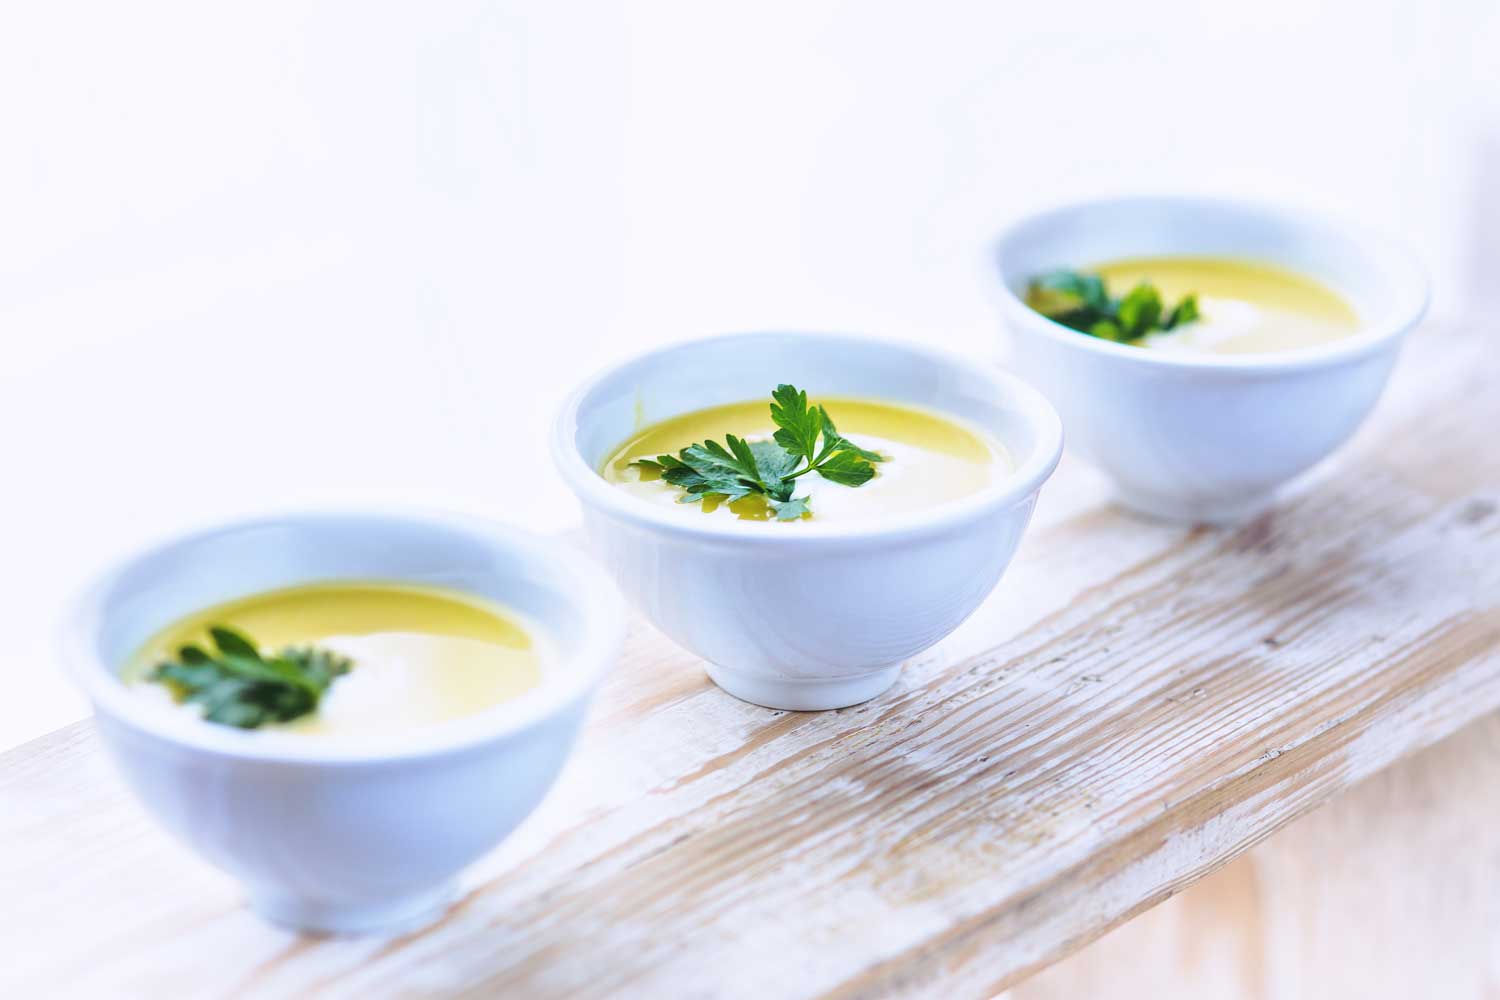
(238, 687)
(1079, 299)
(806, 440)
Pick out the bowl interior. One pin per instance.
(163, 585)
(1383, 282)
(732, 369)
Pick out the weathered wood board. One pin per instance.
(1136, 705)
(1387, 893)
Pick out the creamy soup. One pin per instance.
(929, 460)
(420, 655)
(1244, 307)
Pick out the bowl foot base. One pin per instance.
(1193, 511)
(398, 915)
(803, 695)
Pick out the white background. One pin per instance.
(263, 255)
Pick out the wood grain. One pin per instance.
(1391, 891)
(1134, 707)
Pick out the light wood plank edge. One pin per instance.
(1193, 838)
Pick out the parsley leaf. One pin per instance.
(1080, 300)
(1185, 311)
(1066, 292)
(797, 427)
(806, 440)
(833, 440)
(790, 510)
(1140, 311)
(847, 468)
(237, 686)
(774, 465)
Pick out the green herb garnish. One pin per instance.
(1079, 299)
(805, 441)
(238, 687)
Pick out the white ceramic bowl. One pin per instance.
(329, 835)
(806, 615)
(1207, 437)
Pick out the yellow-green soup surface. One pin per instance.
(422, 655)
(930, 460)
(1245, 306)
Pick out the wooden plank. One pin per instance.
(1389, 891)
(1136, 705)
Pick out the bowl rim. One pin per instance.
(1024, 481)
(1395, 255)
(600, 614)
